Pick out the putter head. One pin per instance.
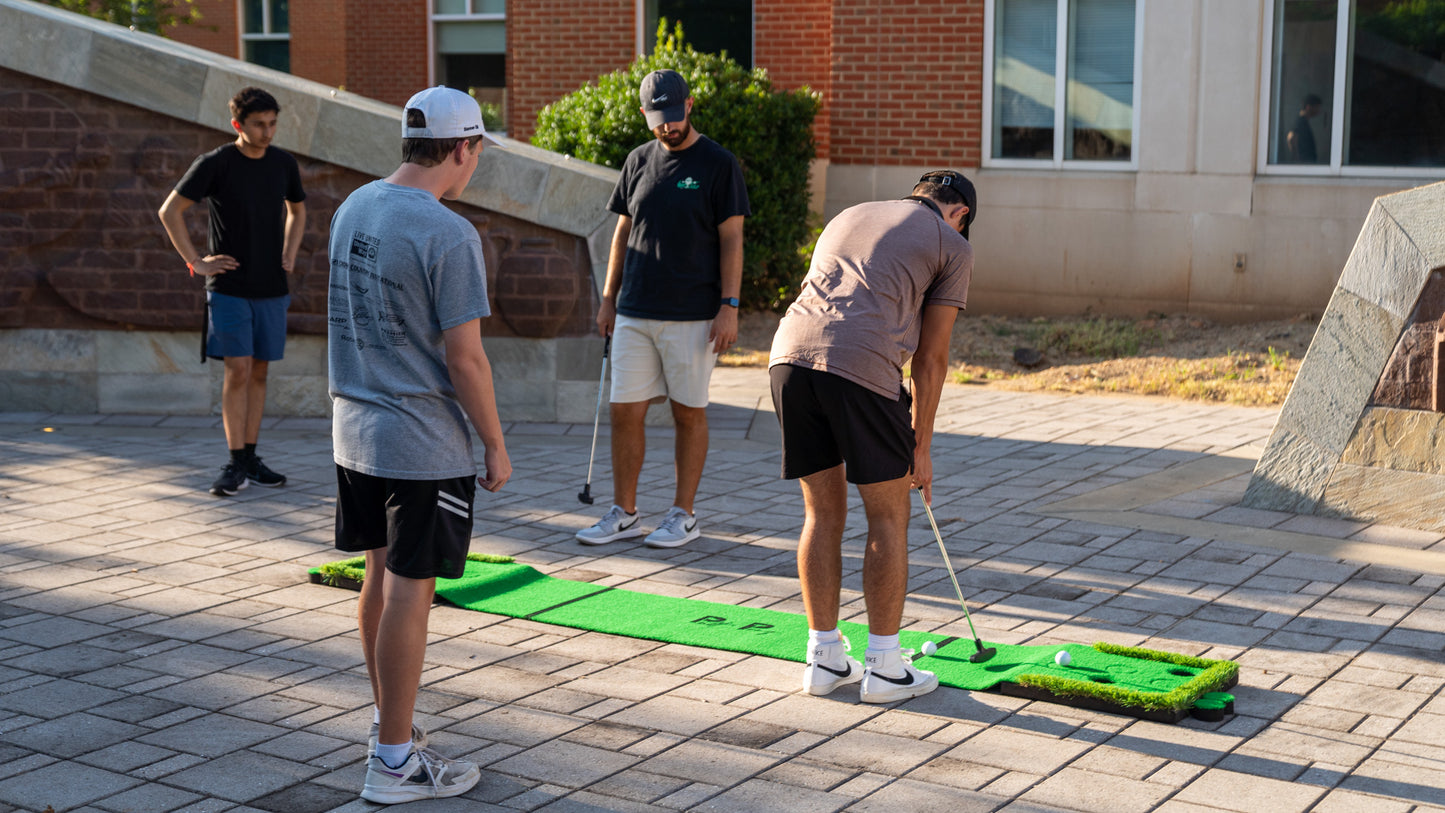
(983, 653)
(585, 495)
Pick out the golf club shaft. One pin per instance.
(949, 565)
(597, 416)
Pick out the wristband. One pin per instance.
(731, 300)
(191, 268)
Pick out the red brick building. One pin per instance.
(892, 84)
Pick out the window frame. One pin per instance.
(470, 17)
(1269, 75)
(1061, 54)
(266, 35)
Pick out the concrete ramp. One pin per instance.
(1362, 433)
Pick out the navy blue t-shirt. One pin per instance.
(676, 201)
(248, 215)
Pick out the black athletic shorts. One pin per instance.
(827, 419)
(425, 525)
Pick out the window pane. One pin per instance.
(255, 18)
(270, 54)
(1397, 85)
(1025, 34)
(1304, 82)
(1100, 100)
(711, 26)
(472, 38)
(280, 17)
(489, 6)
(450, 6)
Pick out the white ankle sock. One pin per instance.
(823, 637)
(376, 715)
(882, 643)
(394, 755)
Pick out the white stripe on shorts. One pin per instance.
(447, 502)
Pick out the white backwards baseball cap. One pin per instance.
(443, 112)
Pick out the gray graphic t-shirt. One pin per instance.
(404, 268)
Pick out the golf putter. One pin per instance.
(585, 495)
(984, 652)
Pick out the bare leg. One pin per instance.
(255, 399)
(235, 399)
(820, 557)
(629, 447)
(885, 561)
(399, 652)
(690, 452)
(368, 614)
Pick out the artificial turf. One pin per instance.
(1139, 682)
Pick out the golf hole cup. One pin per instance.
(1062, 659)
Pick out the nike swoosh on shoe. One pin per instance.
(842, 673)
(906, 680)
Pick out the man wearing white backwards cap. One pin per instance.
(407, 371)
(670, 302)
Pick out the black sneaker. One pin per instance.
(262, 475)
(232, 479)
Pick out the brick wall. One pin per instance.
(81, 245)
(217, 31)
(793, 42)
(318, 41)
(387, 46)
(907, 82)
(556, 46)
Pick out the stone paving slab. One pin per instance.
(162, 650)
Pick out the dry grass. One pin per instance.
(1174, 357)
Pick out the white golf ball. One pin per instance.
(928, 648)
(1062, 659)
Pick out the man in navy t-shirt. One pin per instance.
(670, 301)
(257, 218)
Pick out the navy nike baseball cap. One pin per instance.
(664, 97)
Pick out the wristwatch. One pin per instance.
(731, 300)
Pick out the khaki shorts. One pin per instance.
(652, 358)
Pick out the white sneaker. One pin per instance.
(418, 738)
(425, 775)
(677, 528)
(829, 667)
(615, 524)
(890, 676)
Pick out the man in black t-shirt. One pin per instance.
(670, 301)
(257, 218)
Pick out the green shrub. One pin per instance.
(771, 133)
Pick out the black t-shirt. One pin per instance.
(676, 201)
(248, 215)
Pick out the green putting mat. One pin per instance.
(1139, 682)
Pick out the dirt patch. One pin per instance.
(1172, 356)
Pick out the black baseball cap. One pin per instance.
(664, 97)
(959, 184)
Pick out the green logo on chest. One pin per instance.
(688, 183)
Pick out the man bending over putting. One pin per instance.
(887, 281)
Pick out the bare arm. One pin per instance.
(295, 230)
(173, 217)
(471, 374)
(616, 258)
(929, 367)
(730, 251)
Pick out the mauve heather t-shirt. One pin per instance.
(860, 309)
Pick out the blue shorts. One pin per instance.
(237, 327)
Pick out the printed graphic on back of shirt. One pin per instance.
(370, 311)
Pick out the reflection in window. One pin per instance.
(709, 26)
(1093, 109)
(266, 33)
(471, 52)
(1392, 104)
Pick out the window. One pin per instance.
(710, 26)
(266, 33)
(1087, 119)
(1356, 85)
(471, 52)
